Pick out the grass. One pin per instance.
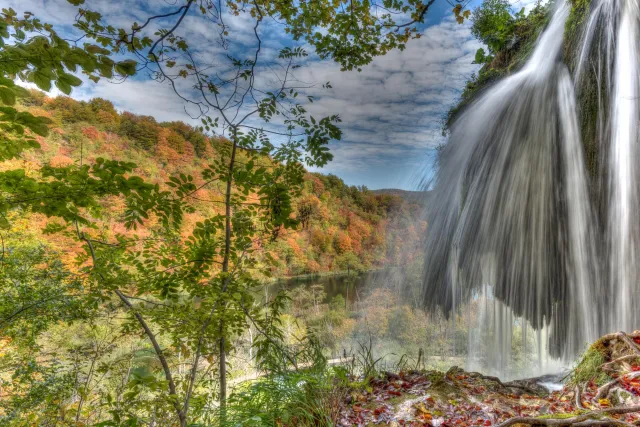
(589, 368)
(306, 397)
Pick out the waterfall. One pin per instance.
(624, 222)
(519, 224)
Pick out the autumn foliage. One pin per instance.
(339, 225)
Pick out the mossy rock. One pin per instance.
(580, 10)
(441, 386)
(561, 416)
(505, 62)
(590, 366)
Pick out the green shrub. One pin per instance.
(493, 23)
(143, 130)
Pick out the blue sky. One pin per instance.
(391, 111)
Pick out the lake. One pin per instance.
(347, 285)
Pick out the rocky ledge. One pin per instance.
(603, 389)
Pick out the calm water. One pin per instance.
(350, 286)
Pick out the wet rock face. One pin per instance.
(540, 386)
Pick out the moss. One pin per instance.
(590, 367)
(474, 86)
(561, 416)
(443, 390)
(588, 115)
(591, 91)
(573, 28)
(435, 377)
(507, 61)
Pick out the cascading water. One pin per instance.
(623, 221)
(522, 225)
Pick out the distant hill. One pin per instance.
(405, 194)
(341, 226)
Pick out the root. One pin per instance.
(626, 338)
(578, 393)
(605, 366)
(619, 347)
(604, 390)
(632, 345)
(507, 385)
(586, 419)
(604, 422)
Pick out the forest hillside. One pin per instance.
(339, 227)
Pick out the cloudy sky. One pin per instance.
(392, 110)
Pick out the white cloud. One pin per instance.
(392, 111)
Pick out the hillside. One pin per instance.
(339, 227)
(409, 195)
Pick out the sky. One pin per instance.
(391, 111)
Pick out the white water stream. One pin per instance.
(519, 227)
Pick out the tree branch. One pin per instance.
(571, 421)
(150, 335)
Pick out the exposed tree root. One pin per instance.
(586, 419)
(607, 365)
(632, 345)
(618, 349)
(627, 338)
(604, 422)
(604, 390)
(497, 380)
(578, 393)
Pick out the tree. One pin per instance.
(348, 262)
(143, 130)
(492, 23)
(105, 113)
(191, 134)
(200, 290)
(307, 210)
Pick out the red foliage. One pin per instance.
(60, 160)
(313, 266)
(92, 133)
(43, 143)
(342, 242)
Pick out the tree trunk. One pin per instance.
(225, 269)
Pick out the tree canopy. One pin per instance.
(189, 295)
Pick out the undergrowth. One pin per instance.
(589, 368)
(301, 398)
(309, 396)
(511, 58)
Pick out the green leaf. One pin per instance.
(7, 96)
(70, 80)
(76, 2)
(6, 82)
(64, 87)
(127, 67)
(95, 49)
(41, 80)
(480, 56)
